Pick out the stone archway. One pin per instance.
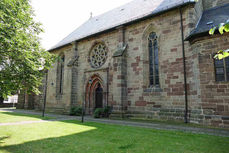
(94, 97)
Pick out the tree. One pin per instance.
(222, 27)
(22, 60)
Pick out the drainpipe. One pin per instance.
(107, 84)
(45, 92)
(184, 63)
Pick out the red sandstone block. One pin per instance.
(134, 64)
(136, 48)
(140, 103)
(175, 77)
(222, 86)
(166, 31)
(131, 39)
(179, 60)
(173, 50)
(120, 77)
(138, 58)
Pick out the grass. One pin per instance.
(169, 122)
(9, 117)
(73, 136)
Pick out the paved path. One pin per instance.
(217, 132)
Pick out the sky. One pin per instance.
(60, 17)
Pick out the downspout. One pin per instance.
(107, 84)
(45, 92)
(184, 66)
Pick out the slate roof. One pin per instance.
(210, 18)
(132, 11)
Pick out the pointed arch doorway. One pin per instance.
(94, 97)
(99, 97)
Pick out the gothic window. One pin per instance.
(153, 60)
(98, 55)
(60, 74)
(222, 69)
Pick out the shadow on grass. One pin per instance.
(114, 138)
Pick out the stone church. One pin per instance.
(146, 59)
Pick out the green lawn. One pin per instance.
(72, 136)
(8, 117)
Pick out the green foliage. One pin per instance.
(212, 30)
(77, 111)
(22, 57)
(107, 111)
(222, 27)
(102, 112)
(98, 112)
(222, 54)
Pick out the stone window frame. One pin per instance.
(224, 65)
(145, 43)
(96, 43)
(60, 74)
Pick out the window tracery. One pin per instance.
(98, 55)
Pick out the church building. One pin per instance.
(147, 59)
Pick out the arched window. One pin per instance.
(153, 60)
(60, 75)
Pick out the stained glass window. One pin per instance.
(153, 60)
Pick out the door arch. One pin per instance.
(94, 94)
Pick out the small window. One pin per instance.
(60, 75)
(222, 70)
(153, 60)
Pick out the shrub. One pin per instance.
(107, 111)
(98, 112)
(102, 112)
(77, 111)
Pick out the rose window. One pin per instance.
(98, 55)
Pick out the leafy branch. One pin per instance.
(222, 27)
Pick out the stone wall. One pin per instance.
(214, 95)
